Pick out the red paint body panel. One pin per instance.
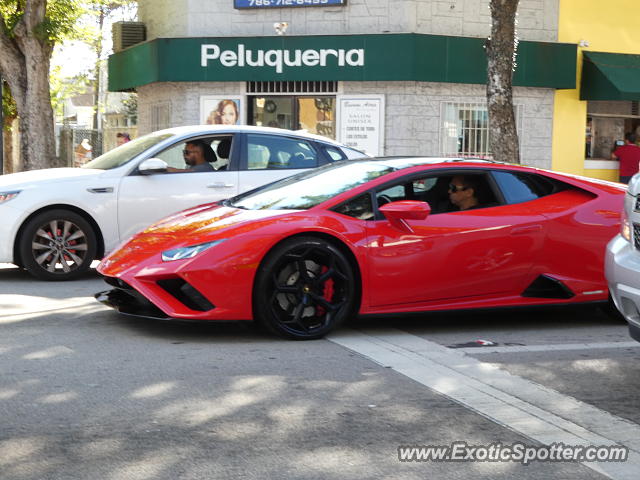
(454, 255)
(469, 259)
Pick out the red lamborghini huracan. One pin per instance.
(372, 237)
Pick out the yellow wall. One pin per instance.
(610, 175)
(607, 26)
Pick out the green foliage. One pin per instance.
(9, 109)
(131, 107)
(58, 23)
(60, 19)
(64, 88)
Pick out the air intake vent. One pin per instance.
(634, 108)
(547, 287)
(293, 87)
(126, 34)
(185, 293)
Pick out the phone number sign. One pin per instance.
(285, 3)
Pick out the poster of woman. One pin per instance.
(215, 110)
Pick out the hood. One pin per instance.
(33, 177)
(190, 227)
(205, 220)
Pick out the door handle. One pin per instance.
(220, 185)
(100, 190)
(526, 229)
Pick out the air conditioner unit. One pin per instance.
(126, 34)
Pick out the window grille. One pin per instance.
(160, 116)
(295, 87)
(464, 129)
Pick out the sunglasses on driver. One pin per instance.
(456, 188)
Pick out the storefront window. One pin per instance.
(464, 129)
(607, 125)
(313, 114)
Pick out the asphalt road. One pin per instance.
(86, 393)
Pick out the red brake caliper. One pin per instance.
(327, 292)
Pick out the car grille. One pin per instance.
(636, 235)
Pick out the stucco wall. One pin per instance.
(602, 27)
(537, 19)
(412, 112)
(413, 109)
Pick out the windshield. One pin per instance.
(308, 189)
(124, 153)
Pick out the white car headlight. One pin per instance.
(625, 226)
(188, 252)
(6, 196)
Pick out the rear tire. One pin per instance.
(304, 288)
(57, 245)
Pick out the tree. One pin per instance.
(101, 10)
(9, 114)
(29, 30)
(63, 88)
(501, 49)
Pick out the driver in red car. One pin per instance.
(462, 192)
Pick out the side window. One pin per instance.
(518, 188)
(275, 152)
(428, 189)
(173, 155)
(222, 147)
(352, 154)
(257, 156)
(334, 153)
(216, 145)
(423, 185)
(359, 207)
(391, 194)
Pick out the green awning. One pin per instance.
(610, 76)
(361, 58)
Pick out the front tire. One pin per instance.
(57, 245)
(304, 289)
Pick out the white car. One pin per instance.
(622, 260)
(55, 222)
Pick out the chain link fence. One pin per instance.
(77, 146)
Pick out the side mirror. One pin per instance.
(152, 165)
(399, 212)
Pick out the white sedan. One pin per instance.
(55, 222)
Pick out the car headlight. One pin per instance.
(188, 252)
(6, 196)
(625, 226)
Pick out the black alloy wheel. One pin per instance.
(57, 245)
(304, 289)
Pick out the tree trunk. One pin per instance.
(501, 48)
(7, 142)
(24, 64)
(37, 139)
